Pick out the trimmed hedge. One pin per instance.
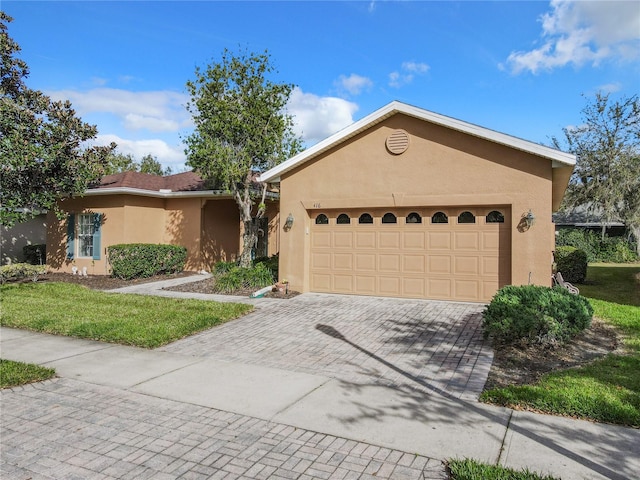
(141, 260)
(532, 314)
(20, 271)
(35, 254)
(571, 262)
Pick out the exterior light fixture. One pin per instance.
(288, 223)
(529, 219)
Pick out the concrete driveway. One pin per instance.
(417, 344)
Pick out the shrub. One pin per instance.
(239, 278)
(271, 263)
(20, 271)
(534, 314)
(571, 263)
(223, 267)
(140, 260)
(35, 254)
(611, 249)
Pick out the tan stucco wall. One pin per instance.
(208, 228)
(12, 240)
(441, 167)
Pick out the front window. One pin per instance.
(86, 231)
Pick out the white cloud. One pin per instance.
(610, 87)
(582, 32)
(415, 67)
(156, 111)
(353, 84)
(407, 73)
(317, 117)
(167, 155)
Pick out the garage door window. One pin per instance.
(365, 218)
(343, 219)
(495, 217)
(414, 217)
(466, 217)
(439, 217)
(389, 218)
(322, 219)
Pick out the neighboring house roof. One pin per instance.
(584, 216)
(558, 158)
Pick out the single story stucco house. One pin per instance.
(133, 207)
(403, 203)
(410, 203)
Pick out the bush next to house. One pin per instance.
(271, 263)
(35, 254)
(140, 260)
(532, 314)
(20, 271)
(572, 263)
(239, 278)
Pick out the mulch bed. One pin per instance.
(207, 286)
(104, 282)
(525, 365)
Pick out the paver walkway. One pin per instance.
(416, 344)
(65, 429)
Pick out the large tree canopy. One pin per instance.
(606, 179)
(42, 143)
(241, 129)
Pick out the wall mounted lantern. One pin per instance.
(288, 223)
(529, 219)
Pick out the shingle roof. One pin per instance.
(180, 182)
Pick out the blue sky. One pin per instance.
(517, 67)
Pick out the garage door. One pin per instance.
(438, 253)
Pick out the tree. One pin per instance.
(150, 164)
(606, 178)
(119, 162)
(241, 129)
(41, 143)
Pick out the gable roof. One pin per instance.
(558, 158)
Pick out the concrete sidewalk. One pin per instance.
(391, 432)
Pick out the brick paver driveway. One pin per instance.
(365, 340)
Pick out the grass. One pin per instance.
(138, 320)
(13, 374)
(468, 469)
(608, 389)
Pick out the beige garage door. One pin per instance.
(438, 253)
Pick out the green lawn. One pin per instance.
(607, 390)
(468, 469)
(13, 374)
(139, 320)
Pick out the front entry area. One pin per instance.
(444, 253)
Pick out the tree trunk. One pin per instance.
(249, 239)
(635, 229)
(245, 206)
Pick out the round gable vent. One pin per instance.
(398, 142)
